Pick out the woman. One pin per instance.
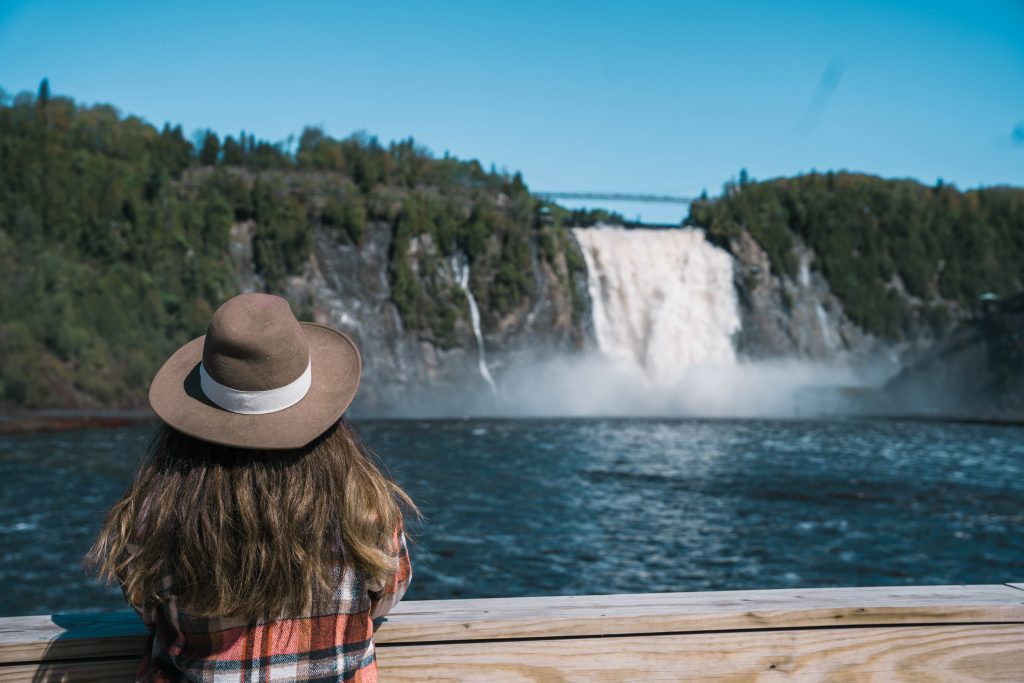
(258, 540)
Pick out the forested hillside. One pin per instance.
(116, 243)
(902, 257)
(114, 237)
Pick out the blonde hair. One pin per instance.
(250, 534)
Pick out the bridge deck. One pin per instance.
(618, 197)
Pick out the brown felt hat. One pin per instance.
(258, 378)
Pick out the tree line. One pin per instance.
(115, 238)
(115, 234)
(902, 257)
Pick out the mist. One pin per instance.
(593, 385)
(665, 315)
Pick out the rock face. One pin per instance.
(415, 372)
(351, 292)
(409, 371)
(544, 325)
(976, 371)
(785, 317)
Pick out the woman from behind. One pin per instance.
(258, 540)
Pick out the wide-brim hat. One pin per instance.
(258, 378)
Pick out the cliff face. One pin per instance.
(444, 272)
(784, 316)
(412, 369)
(976, 371)
(415, 369)
(907, 261)
(409, 369)
(438, 319)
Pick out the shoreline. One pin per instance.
(43, 421)
(48, 421)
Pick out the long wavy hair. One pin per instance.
(250, 534)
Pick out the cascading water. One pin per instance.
(461, 269)
(662, 300)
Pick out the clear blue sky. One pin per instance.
(665, 97)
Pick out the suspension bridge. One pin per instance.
(616, 197)
(622, 197)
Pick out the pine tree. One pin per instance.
(210, 149)
(43, 96)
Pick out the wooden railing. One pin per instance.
(911, 633)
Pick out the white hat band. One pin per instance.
(256, 402)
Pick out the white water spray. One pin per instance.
(461, 269)
(662, 300)
(665, 311)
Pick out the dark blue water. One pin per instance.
(545, 507)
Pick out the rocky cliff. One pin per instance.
(976, 371)
(410, 369)
(118, 240)
(784, 316)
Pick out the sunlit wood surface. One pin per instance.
(908, 633)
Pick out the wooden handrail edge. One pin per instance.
(110, 635)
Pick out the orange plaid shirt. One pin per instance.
(334, 642)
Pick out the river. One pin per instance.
(577, 506)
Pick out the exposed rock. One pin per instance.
(347, 287)
(976, 371)
(241, 250)
(786, 317)
(543, 326)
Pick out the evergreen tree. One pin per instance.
(43, 95)
(210, 149)
(232, 152)
(874, 237)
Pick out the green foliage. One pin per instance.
(281, 244)
(115, 238)
(98, 252)
(348, 214)
(232, 153)
(547, 241)
(513, 282)
(209, 149)
(941, 244)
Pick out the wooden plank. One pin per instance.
(891, 654)
(585, 615)
(71, 636)
(91, 671)
(1018, 586)
(75, 636)
(908, 653)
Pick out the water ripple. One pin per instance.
(545, 507)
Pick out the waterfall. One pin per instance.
(461, 269)
(662, 300)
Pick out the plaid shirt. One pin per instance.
(334, 642)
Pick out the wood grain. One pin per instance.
(431, 620)
(908, 653)
(915, 654)
(71, 636)
(92, 671)
(75, 637)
